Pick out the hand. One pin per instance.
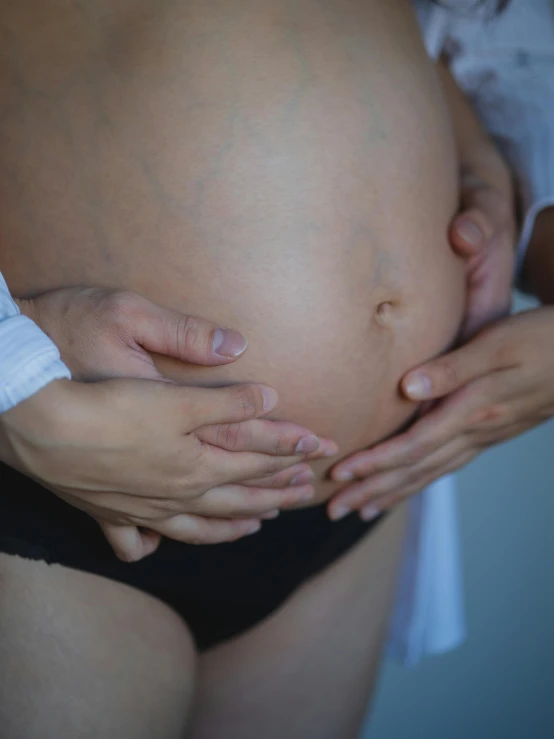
(495, 387)
(103, 333)
(484, 232)
(108, 333)
(128, 453)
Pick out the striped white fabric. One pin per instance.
(29, 360)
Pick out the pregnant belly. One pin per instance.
(285, 171)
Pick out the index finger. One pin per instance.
(450, 372)
(230, 404)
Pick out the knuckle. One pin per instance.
(200, 475)
(272, 465)
(191, 334)
(414, 456)
(506, 355)
(192, 414)
(245, 401)
(424, 448)
(449, 376)
(492, 416)
(169, 505)
(121, 306)
(505, 352)
(361, 497)
(283, 443)
(192, 485)
(228, 436)
(412, 451)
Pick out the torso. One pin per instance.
(284, 168)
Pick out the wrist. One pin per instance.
(478, 155)
(483, 163)
(27, 308)
(35, 424)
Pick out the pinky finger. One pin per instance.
(129, 543)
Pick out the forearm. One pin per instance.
(538, 268)
(478, 155)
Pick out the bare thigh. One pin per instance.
(308, 670)
(86, 658)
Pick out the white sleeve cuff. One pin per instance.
(29, 360)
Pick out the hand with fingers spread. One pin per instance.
(495, 387)
(148, 459)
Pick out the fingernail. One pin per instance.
(270, 515)
(253, 527)
(369, 512)
(418, 387)
(339, 512)
(228, 343)
(307, 445)
(302, 478)
(332, 451)
(470, 232)
(270, 398)
(343, 476)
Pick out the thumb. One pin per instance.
(470, 232)
(187, 338)
(446, 374)
(129, 543)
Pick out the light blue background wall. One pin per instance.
(500, 684)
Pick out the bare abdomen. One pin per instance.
(287, 172)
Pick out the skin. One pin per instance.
(148, 453)
(92, 678)
(288, 182)
(210, 198)
(494, 387)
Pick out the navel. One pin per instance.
(386, 312)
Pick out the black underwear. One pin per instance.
(219, 590)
